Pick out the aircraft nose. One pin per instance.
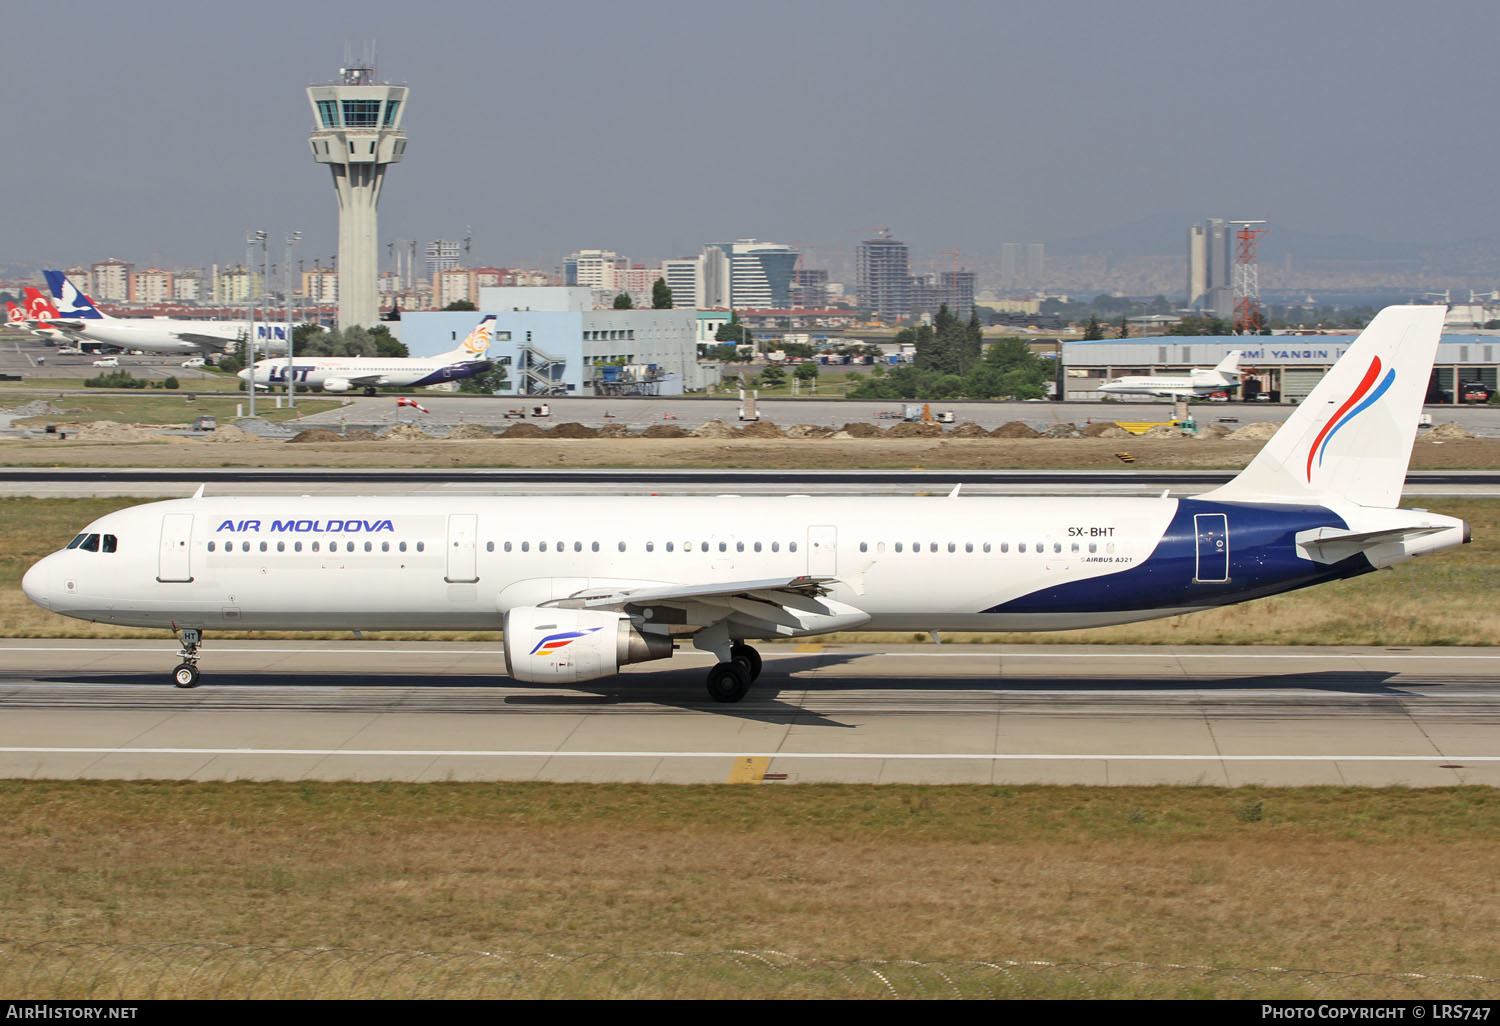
(34, 585)
(244, 375)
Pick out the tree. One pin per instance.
(661, 296)
(460, 304)
(772, 376)
(624, 302)
(491, 381)
(1092, 331)
(807, 372)
(1124, 327)
(733, 332)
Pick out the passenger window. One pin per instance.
(281, 546)
(525, 546)
(898, 546)
(723, 547)
(593, 546)
(864, 547)
(620, 546)
(1075, 546)
(489, 546)
(507, 546)
(651, 546)
(776, 546)
(264, 546)
(109, 543)
(669, 547)
(421, 546)
(296, 546)
(348, 546)
(932, 547)
(370, 546)
(791, 547)
(210, 544)
(578, 546)
(90, 543)
(987, 546)
(703, 546)
(244, 546)
(1057, 546)
(541, 546)
(968, 546)
(757, 546)
(1093, 546)
(315, 546)
(561, 546)
(739, 546)
(1021, 547)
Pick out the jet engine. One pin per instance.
(562, 646)
(336, 385)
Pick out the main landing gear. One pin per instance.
(186, 673)
(728, 682)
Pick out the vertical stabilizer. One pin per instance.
(1229, 367)
(1351, 439)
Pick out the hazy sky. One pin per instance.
(160, 131)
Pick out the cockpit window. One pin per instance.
(77, 541)
(109, 543)
(90, 543)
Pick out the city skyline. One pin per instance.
(1026, 125)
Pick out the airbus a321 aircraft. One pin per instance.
(1222, 378)
(585, 585)
(344, 373)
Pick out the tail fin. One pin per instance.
(1375, 391)
(477, 343)
(38, 306)
(70, 302)
(14, 314)
(1229, 367)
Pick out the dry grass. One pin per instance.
(1446, 599)
(1334, 879)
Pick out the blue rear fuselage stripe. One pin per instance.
(1263, 560)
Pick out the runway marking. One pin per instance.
(428, 753)
(749, 770)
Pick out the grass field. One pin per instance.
(1445, 599)
(1333, 880)
(168, 408)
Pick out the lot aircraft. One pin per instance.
(585, 585)
(1222, 378)
(346, 373)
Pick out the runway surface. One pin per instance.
(353, 710)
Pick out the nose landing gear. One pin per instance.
(186, 673)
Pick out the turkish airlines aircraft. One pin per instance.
(344, 373)
(1195, 382)
(585, 585)
(77, 315)
(37, 317)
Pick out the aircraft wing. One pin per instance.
(780, 606)
(364, 380)
(198, 339)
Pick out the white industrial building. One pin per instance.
(552, 342)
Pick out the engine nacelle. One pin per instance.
(562, 646)
(337, 385)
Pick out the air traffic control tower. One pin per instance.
(358, 135)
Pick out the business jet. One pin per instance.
(582, 586)
(77, 315)
(1195, 382)
(346, 373)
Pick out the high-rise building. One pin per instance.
(760, 275)
(358, 135)
(110, 281)
(810, 289)
(682, 278)
(152, 285)
(1036, 265)
(882, 277)
(595, 268)
(443, 255)
(1210, 266)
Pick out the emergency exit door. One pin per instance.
(462, 565)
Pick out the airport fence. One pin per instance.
(52, 970)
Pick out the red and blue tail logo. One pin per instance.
(553, 642)
(1360, 401)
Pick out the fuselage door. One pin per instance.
(462, 530)
(174, 559)
(822, 551)
(1213, 546)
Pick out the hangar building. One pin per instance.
(1286, 366)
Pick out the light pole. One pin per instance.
(292, 238)
(251, 238)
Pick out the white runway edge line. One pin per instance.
(525, 753)
(977, 653)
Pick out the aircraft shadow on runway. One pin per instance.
(682, 687)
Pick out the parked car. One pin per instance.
(107, 361)
(208, 423)
(193, 361)
(1474, 392)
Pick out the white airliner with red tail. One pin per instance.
(584, 585)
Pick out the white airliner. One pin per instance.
(345, 373)
(585, 585)
(1195, 382)
(79, 317)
